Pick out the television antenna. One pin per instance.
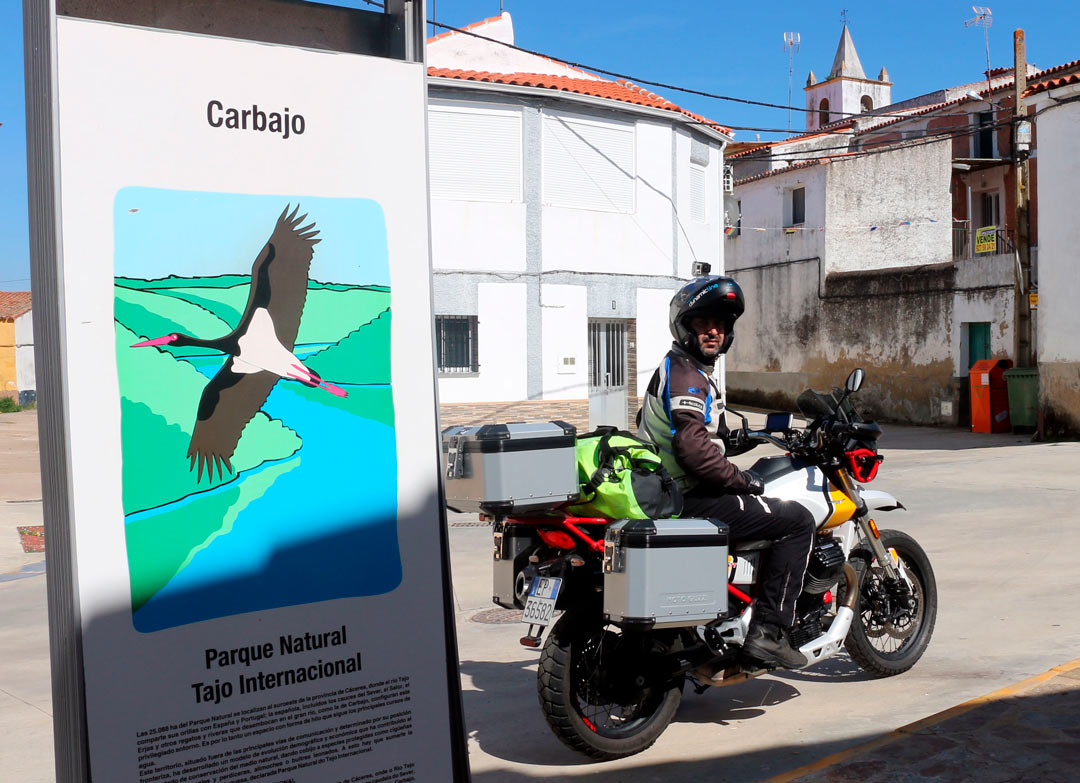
(791, 45)
(984, 17)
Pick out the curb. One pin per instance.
(919, 725)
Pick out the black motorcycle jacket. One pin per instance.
(683, 416)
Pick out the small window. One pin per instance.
(867, 103)
(455, 341)
(798, 207)
(738, 220)
(823, 112)
(983, 139)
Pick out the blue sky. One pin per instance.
(191, 234)
(733, 49)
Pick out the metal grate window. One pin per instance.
(607, 354)
(455, 340)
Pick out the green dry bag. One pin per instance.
(622, 477)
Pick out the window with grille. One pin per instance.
(455, 341)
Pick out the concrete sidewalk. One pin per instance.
(1027, 731)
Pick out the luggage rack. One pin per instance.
(574, 526)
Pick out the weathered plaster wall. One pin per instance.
(763, 207)
(886, 190)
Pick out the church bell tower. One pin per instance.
(846, 91)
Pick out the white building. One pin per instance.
(854, 249)
(1057, 106)
(565, 210)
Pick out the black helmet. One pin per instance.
(710, 296)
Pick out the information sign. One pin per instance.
(252, 432)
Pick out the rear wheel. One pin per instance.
(603, 692)
(893, 621)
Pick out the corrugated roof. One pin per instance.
(619, 90)
(14, 303)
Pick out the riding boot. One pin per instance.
(767, 642)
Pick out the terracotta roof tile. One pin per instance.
(1050, 84)
(14, 303)
(619, 90)
(784, 169)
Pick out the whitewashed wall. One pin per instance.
(886, 190)
(653, 335)
(700, 226)
(632, 242)
(763, 207)
(564, 333)
(501, 339)
(24, 352)
(1059, 237)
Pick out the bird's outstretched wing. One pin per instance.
(279, 276)
(228, 403)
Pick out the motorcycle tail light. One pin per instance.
(556, 539)
(863, 464)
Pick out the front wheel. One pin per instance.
(893, 621)
(604, 693)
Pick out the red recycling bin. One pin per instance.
(990, 396)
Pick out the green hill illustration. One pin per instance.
(359, 358)
(157, 427)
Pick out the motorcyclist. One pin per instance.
(683, 415)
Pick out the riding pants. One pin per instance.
(787, 524)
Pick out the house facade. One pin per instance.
(1055, 107)
(858, 238)
(17, 379)
(565, 211)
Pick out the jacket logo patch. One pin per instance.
(690, 402)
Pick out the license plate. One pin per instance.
(543, 593)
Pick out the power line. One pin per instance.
(639, 81)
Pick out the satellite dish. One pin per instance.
(732, 214)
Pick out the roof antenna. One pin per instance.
(984, 17)
(791, 45)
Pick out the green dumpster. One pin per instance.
(1023, 384)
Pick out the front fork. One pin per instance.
(862, 518)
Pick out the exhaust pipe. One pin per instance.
(829, 643)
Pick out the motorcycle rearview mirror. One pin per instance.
(855, 380)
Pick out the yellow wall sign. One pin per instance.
(1033, 300)
(986, 239)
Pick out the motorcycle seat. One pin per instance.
(753, 546)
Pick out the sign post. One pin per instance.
(248, 575)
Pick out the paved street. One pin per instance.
(996, 514)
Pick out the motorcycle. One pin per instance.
(609, 688)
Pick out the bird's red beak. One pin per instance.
(156, 341)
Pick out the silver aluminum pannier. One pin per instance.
(510, 468)
(665, 572)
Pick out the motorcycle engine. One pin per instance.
(826, 562)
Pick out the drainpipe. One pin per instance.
(1022, 349)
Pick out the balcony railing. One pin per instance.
(969, 242)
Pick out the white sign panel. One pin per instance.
(252, 420)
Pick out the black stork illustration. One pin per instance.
(260, 348)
